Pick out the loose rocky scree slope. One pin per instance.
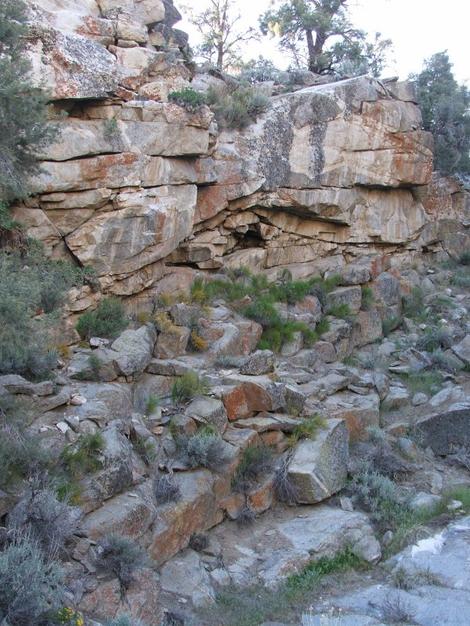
(219, 481)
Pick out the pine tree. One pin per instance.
(445, 106)
(23, 127)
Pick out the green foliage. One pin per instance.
(308, 429)
(389, 324)
(21, 455)
(464, 258)
(434, 338)
(203, 449)
(428, 382)
(30, 285)
(259, 70)
(84, 457)
(121, 557)
(265, 296)
(188, 98)
(367, 298)
(257, 605)
(23, 128)
(255, 461)
(110, 128)
(299, 584)
(413, 304)
(43, 518)
(382, 497)
(322, 33)
(152, 404)
(188, 386)
(107, 320)
(444, 105)
(341, 310)
(31, 585)
(237, 108)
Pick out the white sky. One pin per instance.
(418, 29)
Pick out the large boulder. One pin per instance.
(134, 349)
(318, 467)
(447, 431)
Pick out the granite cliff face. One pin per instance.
(144, 191)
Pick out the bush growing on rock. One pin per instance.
(44, 519)
(32, 288)
(236, 109)
(84, 456)
(188, 386)
(255, 462)
(188, 98)
(23, 113)
(31, 585)
(120, 557)
(203, 449)
(107, 320)
(21, 456)
(307, 429)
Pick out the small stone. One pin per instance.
(78, 400)
(63, 427)
(346, 504)
(98, 342)
(454, 505)
(387, 538)
(418, 399)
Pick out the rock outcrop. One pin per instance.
(136, 185)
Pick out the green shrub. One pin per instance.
(428, 382)
(23, 108)
(308, 429)
(152, 405)
(84, 457)
(382, 497)
(107, 320)
(237, 108)
(44, 519)
(21, 455)
(121, 557)
(389, 324)
(31, 585)
(342, 311)
(203, 449)
(188, 98)
(255, 461)
(188, 386)
(30, 285)
(367, 298)
(464, 258)
(434, 339)
(413, 304)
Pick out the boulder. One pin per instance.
(358, 411)
(260, 362)
(318, 468)
(208, 411)
(445, 431)
(185, 575)
(249, 398)
(347, 296)
(134, 349)
(462, 349)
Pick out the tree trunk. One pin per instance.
(220, 56)
(311, 52)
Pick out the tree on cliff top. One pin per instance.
(23, 127)
(222, 37)
(320, 31)
(446, 114)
